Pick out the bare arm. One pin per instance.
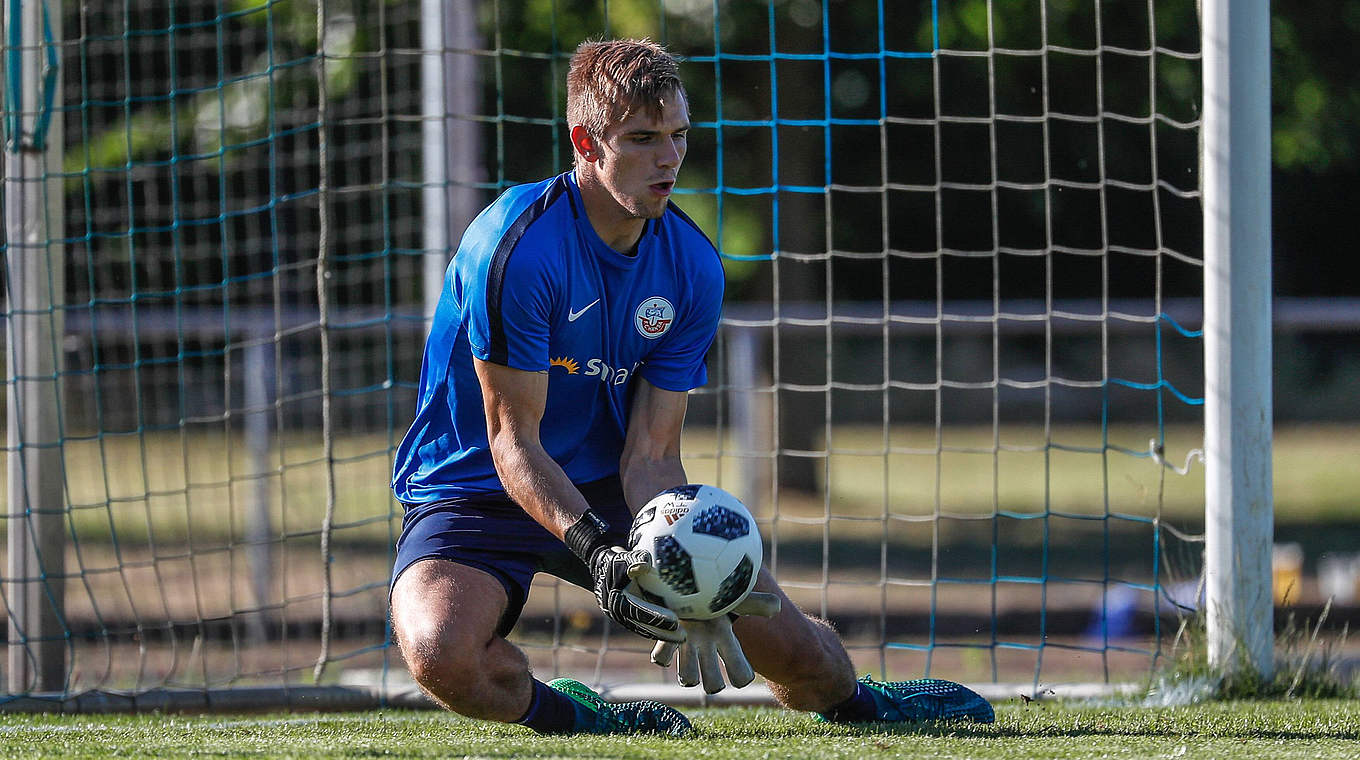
(651, 449)
(514, 401)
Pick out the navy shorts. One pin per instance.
(493, 534)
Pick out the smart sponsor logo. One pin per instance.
(595, 368)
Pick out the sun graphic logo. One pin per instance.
(565, 362)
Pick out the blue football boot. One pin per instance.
(926, 699)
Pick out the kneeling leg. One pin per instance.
(444, 616)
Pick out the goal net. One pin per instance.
(958, 373)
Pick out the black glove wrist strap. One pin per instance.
(586, 536)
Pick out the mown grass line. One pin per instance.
(1226, 731)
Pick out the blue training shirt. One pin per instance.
(533, 287)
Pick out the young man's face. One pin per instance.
(640, 158)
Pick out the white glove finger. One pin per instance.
(687, 669)
(739, 671)
(663, 653)
(710, 667)
(759, 603)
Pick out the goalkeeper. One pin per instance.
(574, 318)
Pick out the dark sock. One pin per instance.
(859, 708)
(550, 711)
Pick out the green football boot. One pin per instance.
(596, 716)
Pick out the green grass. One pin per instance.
(1307, 664)
(1225, 731)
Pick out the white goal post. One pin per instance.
(1239, 516)
(34, 573)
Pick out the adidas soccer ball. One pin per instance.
(705, 550)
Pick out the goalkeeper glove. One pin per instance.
(612, 568)
(708, 641)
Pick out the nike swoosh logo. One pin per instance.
(572, 315)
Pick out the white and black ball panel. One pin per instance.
(721, 522)
(705, 548)
(642, 518)
(735, 586)
(674, 565)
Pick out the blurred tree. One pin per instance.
(1316, 97)
(1316, 146)
(1316, 90)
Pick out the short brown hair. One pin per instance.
(610, 79)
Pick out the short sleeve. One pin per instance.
(679, 363)
(510, 309)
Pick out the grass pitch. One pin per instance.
(1225, 731)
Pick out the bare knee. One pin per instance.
(444, 617)
(440, 657)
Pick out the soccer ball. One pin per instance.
(705, 550)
